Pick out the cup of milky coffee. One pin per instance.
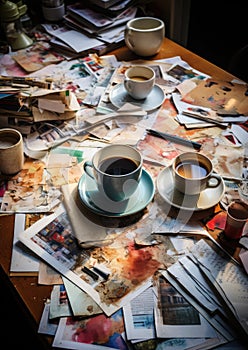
(139, 81)
(144, 35)
(193, 173)
(11, 151)
(116, 170)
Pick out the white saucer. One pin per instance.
(102, 205)
(205, 200)
(119, 96)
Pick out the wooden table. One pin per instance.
(31, 295)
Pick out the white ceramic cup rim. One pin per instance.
(96, 167)
(195, 157)
(14, 134)
(133, 68)
(145, 19)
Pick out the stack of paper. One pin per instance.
(215, 285)
(210, 102)
(89, 30)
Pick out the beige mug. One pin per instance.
(193, 172)
(11, 151)
(139, 81)
(144, 35)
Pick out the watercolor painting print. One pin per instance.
(81, 333)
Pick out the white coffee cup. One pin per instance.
(139, 81)
(117, 171)
(144, 35)
(193, 172)
(11, 151)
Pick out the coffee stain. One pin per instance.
(139, 264)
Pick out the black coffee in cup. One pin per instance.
(116, 170)
(118, 166)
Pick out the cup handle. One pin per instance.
(214, 181)
(128, 39)
(127, 85)
(88, 169)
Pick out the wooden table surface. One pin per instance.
(32, 294)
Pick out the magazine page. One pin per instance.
(175, 317)
(222, 327)
(23, 262)
(228, 278)
(91, 333)
(138, 316)
(122, 275)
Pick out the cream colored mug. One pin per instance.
(193, 173)
(11, 151)
(144, 35)
(139, 81)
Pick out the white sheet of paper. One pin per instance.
(81, 303)
(84, 229)
(179, 274)
(22, 260)
(138, 316)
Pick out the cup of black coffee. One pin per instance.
(193, 173)
(117, 170)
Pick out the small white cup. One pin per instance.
(144, 35)
(11, 151)
(193, 173)
(139, 81)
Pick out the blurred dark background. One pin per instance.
(215, 30)
(218, 32)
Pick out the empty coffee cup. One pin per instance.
(117, 170)
(144, 35)
(193, 172)
(11, 151)
(139, 81)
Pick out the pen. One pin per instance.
(206, 119)
(174, 138)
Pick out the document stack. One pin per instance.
(102, 27)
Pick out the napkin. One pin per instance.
(84, 229)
